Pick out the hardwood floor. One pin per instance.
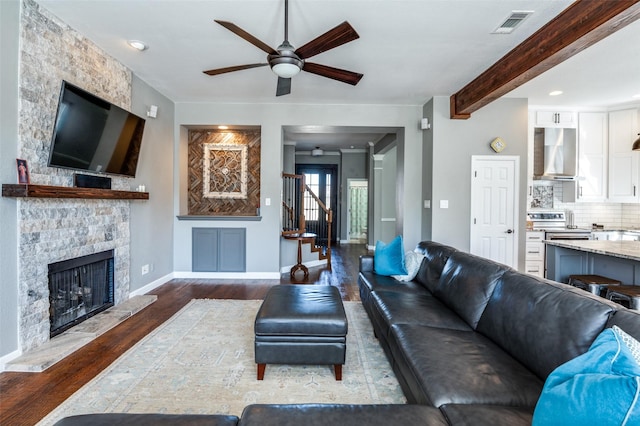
(25, 398)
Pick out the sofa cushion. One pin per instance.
(628, 320)
(435, 257)
(388, 259)
(466, 284)
(486, 415)
(444, 366)
(599, 387)
(375, 282)
(423, 309)
(124, 419)
(341, 414)
(542, 325)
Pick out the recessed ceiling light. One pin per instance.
(223, 127)
(555, 93)
(137, 44)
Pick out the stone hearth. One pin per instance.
(54, 350)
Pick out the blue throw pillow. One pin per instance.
(388, 259)
(600, 387)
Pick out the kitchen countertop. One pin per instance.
(621, 249)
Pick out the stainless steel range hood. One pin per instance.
(555, 154)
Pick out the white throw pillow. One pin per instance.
(412, 262)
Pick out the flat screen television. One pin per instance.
(94, 135)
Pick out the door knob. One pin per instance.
(509, 231)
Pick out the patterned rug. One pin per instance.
(201, 361)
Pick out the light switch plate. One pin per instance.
(427, 204)
(267, 201)
(444, 204)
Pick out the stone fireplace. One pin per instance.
(54, 230)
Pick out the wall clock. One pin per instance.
(498, 144)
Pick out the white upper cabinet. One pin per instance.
(556, 119)
(624, 164)
(592, 156)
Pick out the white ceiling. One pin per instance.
(408, 50)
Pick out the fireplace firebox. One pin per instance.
(79, 288)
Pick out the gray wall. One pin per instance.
(152, 221)
(354, 166)
(386, 195)
(427, 174)
(289, 159)
(454, 142)
(263, 237)
(9, 46)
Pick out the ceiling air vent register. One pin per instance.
(512, 22)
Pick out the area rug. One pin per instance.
(201, 361)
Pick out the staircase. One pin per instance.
(305, 218)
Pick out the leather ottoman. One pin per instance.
(303, 325)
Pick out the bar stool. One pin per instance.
(629, 294)
(595, 284)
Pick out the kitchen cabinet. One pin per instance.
(556, 119)
(535, 250)
(624, 164)
(592, 156)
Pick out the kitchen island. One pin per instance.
(619, 260)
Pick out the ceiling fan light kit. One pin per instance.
(286, 61)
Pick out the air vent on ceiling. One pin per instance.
(512, 22)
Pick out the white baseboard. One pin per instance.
(228, 275)
(309, 264)
(8, 358)
(152, 285)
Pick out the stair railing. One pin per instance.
(304, 212)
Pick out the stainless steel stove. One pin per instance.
(554, 224)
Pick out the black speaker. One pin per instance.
(90, 181)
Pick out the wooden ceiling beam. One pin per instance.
(579, 26)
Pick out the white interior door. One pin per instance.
(494, 208)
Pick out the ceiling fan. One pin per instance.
(286, 62)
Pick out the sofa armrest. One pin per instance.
(366, 263)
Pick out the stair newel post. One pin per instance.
(303, 225)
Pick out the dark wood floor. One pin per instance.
(25, 398)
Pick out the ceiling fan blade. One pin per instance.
(343, 33)
(248, 37)
(344, 76)
(234, 68)
(284, 86)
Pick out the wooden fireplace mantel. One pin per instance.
(49, 191)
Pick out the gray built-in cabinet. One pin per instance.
(219, 250)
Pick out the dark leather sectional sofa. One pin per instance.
(477, 339)
(471, 342)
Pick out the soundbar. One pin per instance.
(91, 181)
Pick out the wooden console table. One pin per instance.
(306, 237)
(49, 191)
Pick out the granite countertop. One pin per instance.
(622, 249)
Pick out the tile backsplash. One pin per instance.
(611, 215)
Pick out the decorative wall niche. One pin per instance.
(224, 172)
